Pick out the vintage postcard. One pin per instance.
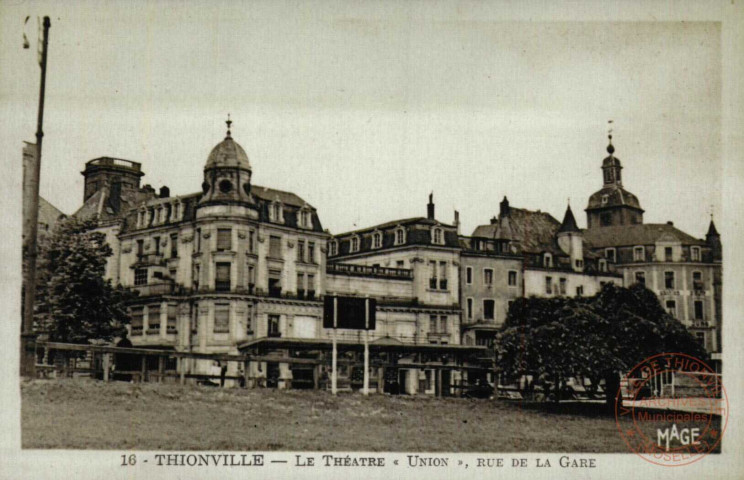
(373, 239)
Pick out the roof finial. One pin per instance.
(228, 122)
(610, 148)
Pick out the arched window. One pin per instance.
(377, 240)
(354, 244)
(437, 236)
(400, 236)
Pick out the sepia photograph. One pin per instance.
(413, 238)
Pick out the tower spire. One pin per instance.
(228, 122)
(610, 147)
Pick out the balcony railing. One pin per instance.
(369, 271)
(164, 288)
(147, 259)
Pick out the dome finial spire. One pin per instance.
(610, 148)
(228, 122)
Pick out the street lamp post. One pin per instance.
(31, 223)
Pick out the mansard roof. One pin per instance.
(641, 234)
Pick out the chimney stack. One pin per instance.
(430, 207)
(457, 221)
(164, 192)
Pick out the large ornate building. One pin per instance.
(239, 268)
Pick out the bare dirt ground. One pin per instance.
(87, 414)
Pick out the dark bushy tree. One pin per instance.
(595, 337)
(75, 304)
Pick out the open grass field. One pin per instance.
(86, 414)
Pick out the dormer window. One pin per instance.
(400, 236)
(354, 244)
(548, 260)
(639, 254)
(610, 254)
(377, 240)
(305, 218)
(695, 254)
(602, 265)
(275, 212)
(605, 198)
(333, 248)
(437, 236)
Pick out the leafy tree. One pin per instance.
(75, 304)
(596, 337)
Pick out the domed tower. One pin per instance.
(613, 205)
(227, 175)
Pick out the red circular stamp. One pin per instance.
(672, 410)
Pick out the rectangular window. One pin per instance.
(197, 276)
(222, 318)
(311, 252)
(198, 240)
(140, 248)
(136, 324)
(174, 245)
(488, 309)
(251, 241)
(443, 324)
(250, 275)
(354, 246)
(700, 337)
(488, 276)
(697, 281)
(275, 283)
(470, 308)
(640, 277)
(171, 326)
(222, 277)
(695, 254)
(156, 242)
(671, 308)
(668, 254)
(400, 264)
(140, 276)
(301, 285)
(699, 311)
(432, 324)
(274, 326)
(610, 254)
(562, 285)
(512, 278)
(300, 250)
(433, 275)
(249, 320)
(275, 247)
(469, 275)
(639, 254)
(548, 285)
(310, 286)
(580, 290)
(333, 248)
(443, 275)
(153, 319)
(224, 239)
(669, 280)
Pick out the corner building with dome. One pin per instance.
(241, 269)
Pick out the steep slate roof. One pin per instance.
(270, 194)
(643, 234)
(569, 222)
(48, 213)
(533, 231)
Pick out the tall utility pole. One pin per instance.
(31, 224)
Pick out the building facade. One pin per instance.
(240, 268)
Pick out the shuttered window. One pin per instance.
(224, 239)
(222, 318)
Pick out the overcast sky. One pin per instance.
(363, 109)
